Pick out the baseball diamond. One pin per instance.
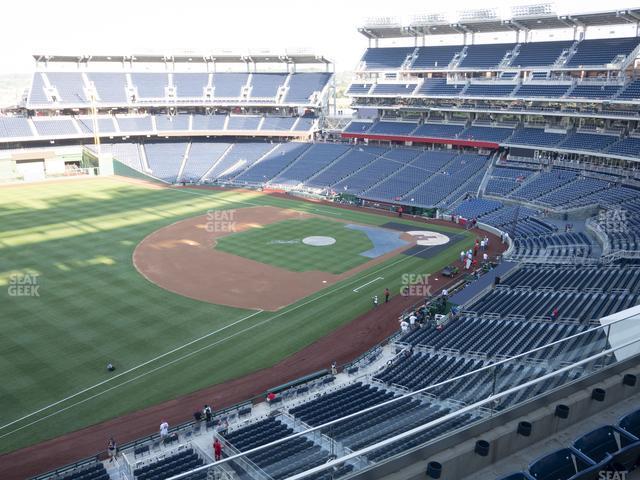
(155, 242)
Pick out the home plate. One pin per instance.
(429, 239)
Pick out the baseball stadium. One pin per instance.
(245, 265)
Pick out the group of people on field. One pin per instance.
(470, 258)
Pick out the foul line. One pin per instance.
(368, 283)
(330, 213)
(328, 292)
(85, 390)
(130, 370)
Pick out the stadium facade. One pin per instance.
(537, 141)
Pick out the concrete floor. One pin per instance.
(565, 438)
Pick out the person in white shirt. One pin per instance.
(485, 257)
(482, 245)
(412, 320)
(404, 326)
(462, 255)
(445, 293)
(164, 429)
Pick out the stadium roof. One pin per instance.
(534, 17)
(221, 57)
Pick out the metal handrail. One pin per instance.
(426, 389)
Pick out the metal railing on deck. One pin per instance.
(574, 357)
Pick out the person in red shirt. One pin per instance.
(271, 397)
(217, 449)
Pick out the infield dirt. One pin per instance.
(181, 258)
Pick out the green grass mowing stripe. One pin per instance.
(280, 329)
(132, 369)
(272, 245)
(83, 276)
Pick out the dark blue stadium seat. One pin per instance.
(540, 54)
(387, 58)
(631, 423)
(602, 51)
(563, 464)
(602, 444)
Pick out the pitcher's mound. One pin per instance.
(318, 241)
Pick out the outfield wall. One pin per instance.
(123, 170)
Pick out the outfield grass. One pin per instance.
(279, 244)
(93, 306)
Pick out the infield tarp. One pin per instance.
(384, 241)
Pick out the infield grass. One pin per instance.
(76, 239)
(280, 244)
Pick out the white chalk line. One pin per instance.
(138, 377)
(2, 427)
(368, 283)
(132, 369)
(340, 287)
(325, 212)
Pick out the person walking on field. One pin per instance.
(375, 301)
(386, 295)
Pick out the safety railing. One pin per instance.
(450, 405)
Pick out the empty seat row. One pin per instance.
(610, 448)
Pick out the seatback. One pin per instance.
(560, 465)
(631, 423)
(598, 444)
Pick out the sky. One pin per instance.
(327, 27)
